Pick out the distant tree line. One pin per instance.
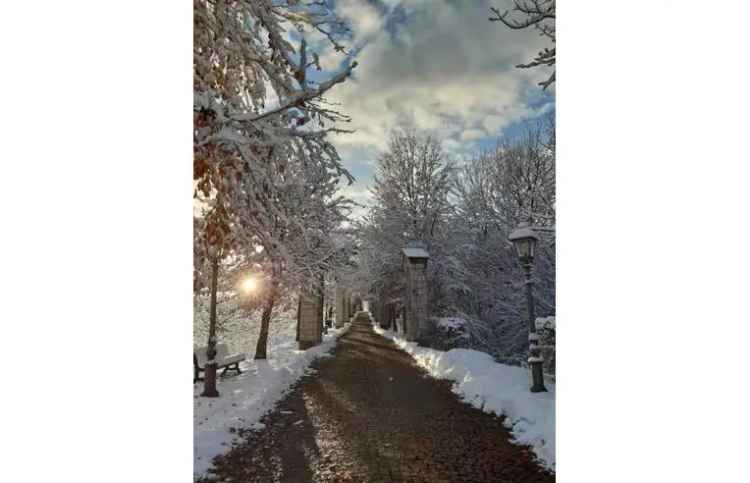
(464, 214)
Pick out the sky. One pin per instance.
(439, 67)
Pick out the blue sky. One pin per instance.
(437, 66)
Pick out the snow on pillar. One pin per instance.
(415, 266)
(310, 329)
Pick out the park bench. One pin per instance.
(223, 359)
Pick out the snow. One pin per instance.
(450, 322)
(245, 398)
(545, 322)
(523, 232)
(416, 253)
(493, 388)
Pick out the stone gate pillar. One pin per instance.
(384, 315)
(345, 313)
(340, 309)
(310, 327)
(415, 267)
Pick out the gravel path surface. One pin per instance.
(368, 414)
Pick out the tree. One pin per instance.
(410, 202)
(495, 191)
(294, 217)
(514, 182)
(465, 215)
(539, 14)
(411, 186)
(243, 56)
(214, 236)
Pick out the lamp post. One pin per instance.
(209, 378)
(524, 239)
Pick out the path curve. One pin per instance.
(369, 414)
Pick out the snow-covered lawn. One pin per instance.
(493, 388)
(245, 398)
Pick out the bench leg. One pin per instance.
(232, 367)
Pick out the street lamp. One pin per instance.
(525, 240)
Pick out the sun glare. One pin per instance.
(250, 284)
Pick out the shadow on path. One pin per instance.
(370, 414)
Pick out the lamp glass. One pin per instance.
(525, 247)
(532, 245)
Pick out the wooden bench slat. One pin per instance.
(223, 358)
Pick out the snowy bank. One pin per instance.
(247, 397)
(545, 323)
(455, 323)
(493, 388)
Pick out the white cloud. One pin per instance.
(360, 194)
(493, 123)
(442, 68)
(365, 19)
(471, 134)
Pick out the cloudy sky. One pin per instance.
(437, 66)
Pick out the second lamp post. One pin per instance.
(525, 240)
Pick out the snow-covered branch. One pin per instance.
(539, 14)
(298, 98)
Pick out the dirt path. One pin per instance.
(370, 414)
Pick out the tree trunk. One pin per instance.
(299, 311)
(265, 320)
(321, 305)
(209, 378)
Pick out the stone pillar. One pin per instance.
(310, 328)
(384, 316)
(340, 309)
(345, 313)
(376, 308)
(415, 267)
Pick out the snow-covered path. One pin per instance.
(494, 388)
(370, 413)
(245, 398)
